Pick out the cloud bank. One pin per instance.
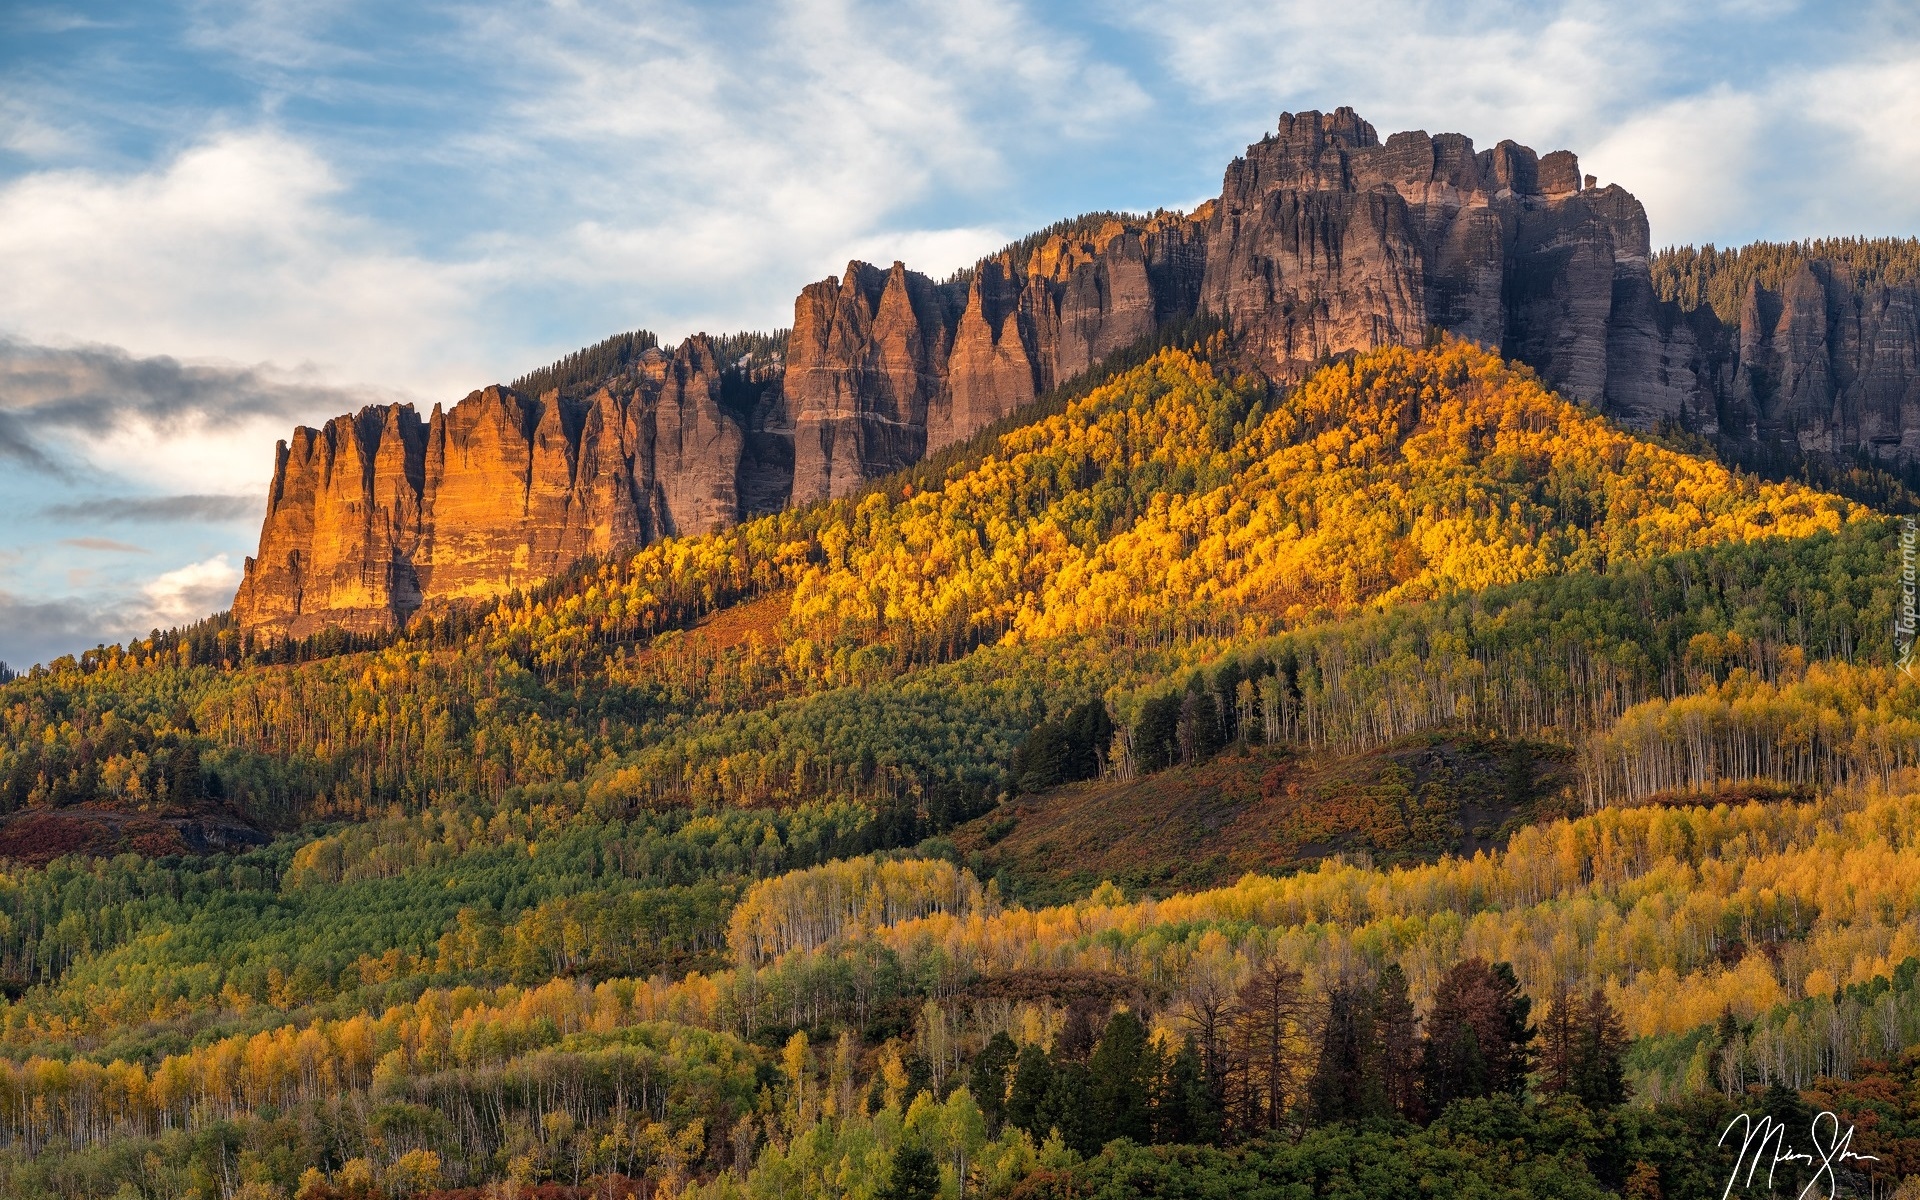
(94, 439)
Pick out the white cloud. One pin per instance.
(1799, 153)
(27, 129)
(673, 164)
(1874, 107)
(935, 252)
(170, 426)
(1495, 71)
(1816, 134)
(717, 165)
(288, 36)
(235, 248)
(38, 628)
(190, 592)
(1689, 162)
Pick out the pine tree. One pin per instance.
(1121, 1073)
(1399, 1037)
(1478, 1038)
(1266, 1010)
(1187, 1112)
(1346, 1084)
(1559, 1034)
(915, 1175)
(1599, 1075)
(987, 1077)
(1068, 1109)
(1026, 1100)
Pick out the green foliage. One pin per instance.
(1057, 752)
(1720, 279)
(348, 917)
(557, 897)
(915, 1175)
(584, 370)
(1568, 654)
(1343, 1162)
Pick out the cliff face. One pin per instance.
(1824, 364)
(1326, 240)
(379, 513)
(883, 367)
(1323, 240)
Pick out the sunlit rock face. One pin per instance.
(378, 514)
(1324, 240)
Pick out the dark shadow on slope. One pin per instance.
(1270, 810)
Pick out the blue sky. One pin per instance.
(220, 219)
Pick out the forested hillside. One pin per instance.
(815, 856)
(1720, 279)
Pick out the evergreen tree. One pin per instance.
(1187, 1111)
(1063, 751)
(1515, 1054)
(1226, 686)
(1156, 736)
(987, 1077)
(1266, 1011)
(1042, 759)
(915, 1175)
(1399, 1038)
(1089, 731)
(1559, 1033)
(1068, 1108)
(1583, 1045)
(919, 1075)
(1121, 1073)
(1200, 732)
(1346, 1083)
(1027, 1099)
(1478, 1038)
(1599, 1074)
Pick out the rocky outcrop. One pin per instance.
(379, 513)
(885, 366)
(1824, 364)
(864, 362)
(1324, 240)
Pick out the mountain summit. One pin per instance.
(1324, 240)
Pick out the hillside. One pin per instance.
(679, 870)
(1270, 811)
(1324, 241)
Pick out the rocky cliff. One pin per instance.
(1324, 240)
(884, 366)
(1823, 361)
(379, 513)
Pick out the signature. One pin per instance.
(1763, 1142)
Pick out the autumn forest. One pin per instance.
(1404, 781)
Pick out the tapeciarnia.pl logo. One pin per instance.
(1903, 621)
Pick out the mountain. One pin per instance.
(903, 838)
(1323, 241)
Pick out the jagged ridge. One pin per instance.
(1324, 240)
